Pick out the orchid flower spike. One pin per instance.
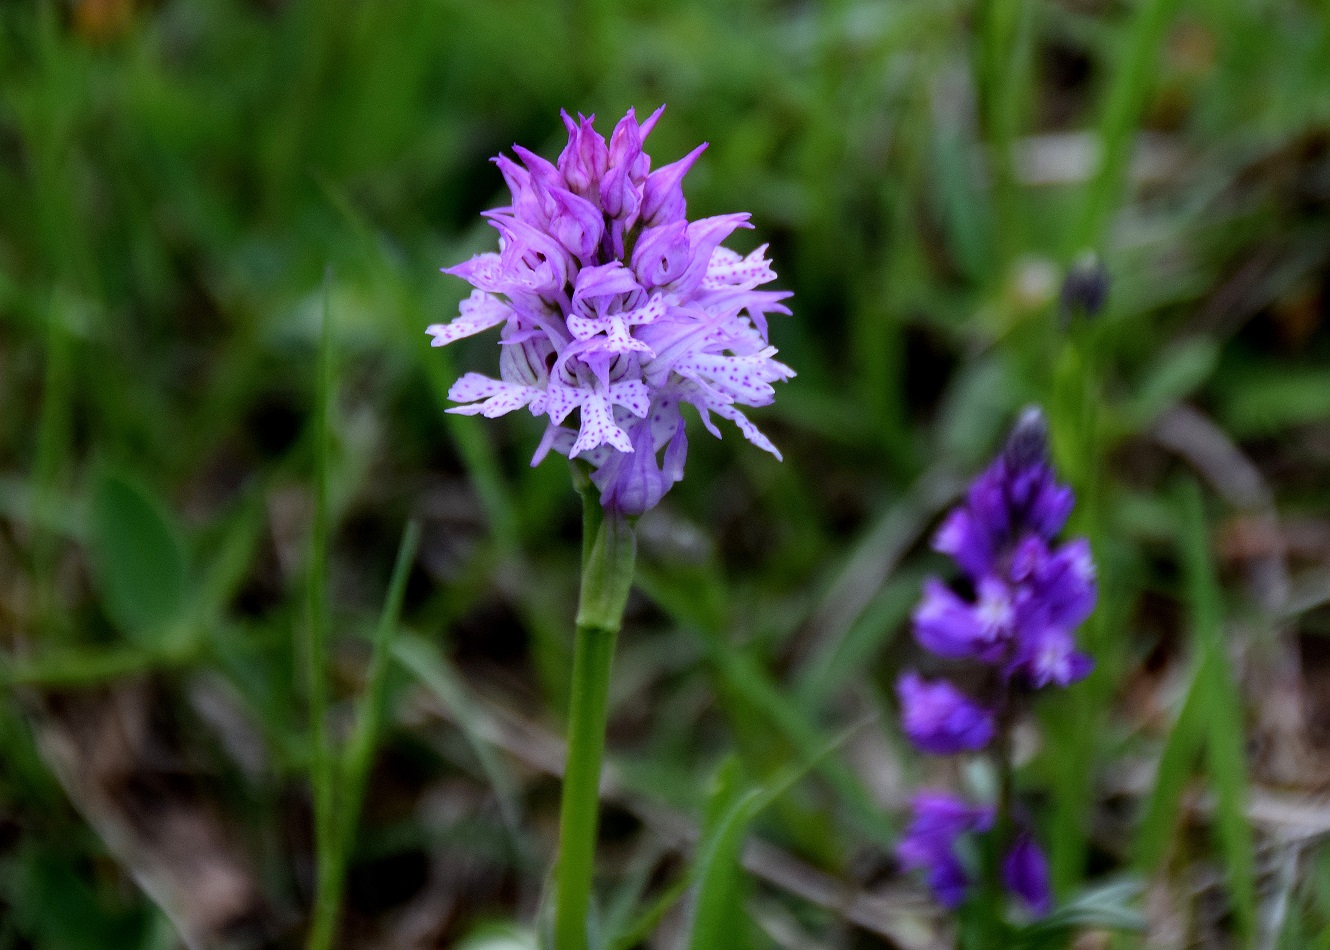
(616, 311)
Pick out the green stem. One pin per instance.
(607, 573)
(1125, 98)
(1077, 429)
(992, 930)
(1005, 40)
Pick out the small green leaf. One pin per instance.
(720, 875)
(1278, 399)
(1175, 375)
(139, 560)
(57, 907)
(1182, 750)
(499, 937)
(1101, 908)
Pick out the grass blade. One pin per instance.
(1226, 756)
(1123, 104)
(719, 871)
(699, 607)
(324, 922)
(1182, 751)
(424, 662)
(360, 749)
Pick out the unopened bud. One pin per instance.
(1028, 442)
(1085, 288)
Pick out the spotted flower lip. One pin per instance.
(616, 311)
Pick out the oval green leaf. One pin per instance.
(139, 560)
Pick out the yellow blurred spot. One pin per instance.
(1032, 283)
(102, 20)
(1298, 314)
(1193, 49)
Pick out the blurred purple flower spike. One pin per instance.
(622, 339)
(1029, 595)
(1026, 596)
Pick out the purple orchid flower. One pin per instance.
(617, 311)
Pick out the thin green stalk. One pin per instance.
(1005, 40)
(697, 600)
(426, 662)
(1079, 448)
(1226, 755)
(607, 574)
(52, 438)
(320, 760)
(360, 750)
(472, 441)
(1135, 73)
(984, 931)
(991, 932)
(1076, 424)
(359, 753)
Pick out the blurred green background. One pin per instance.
(186, 184)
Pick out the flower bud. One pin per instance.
(633, 483)
(1025, 874)
(577, 224)
(586, 157)
(1084, 289)
(662, 196)
(529, 202)
(620, 193)
(663, 255)
(1027, 444)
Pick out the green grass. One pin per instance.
(201, 513)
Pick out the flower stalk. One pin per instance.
(609, 553)
(992, 889)
(615, 311)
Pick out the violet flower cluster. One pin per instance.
(616, 310)
(1026, 595)
(932, 844)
